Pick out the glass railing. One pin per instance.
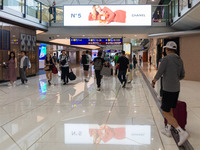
(57, 15)
(45, 13)
(33, 8)
(160, 13)
(17, 5)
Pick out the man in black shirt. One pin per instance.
(123, 63)
(98, 65)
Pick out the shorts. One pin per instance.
(85, 67)
(169, 100)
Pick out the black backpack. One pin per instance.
(98, 64)
(84, 59)
(50, 10)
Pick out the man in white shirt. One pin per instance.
(24, 65)
(86, 60)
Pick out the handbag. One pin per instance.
(46, 68)
(106, 71)
(54, 70)
(72, 76)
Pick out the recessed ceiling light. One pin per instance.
(152, 0)
(58, 35)
(109, 35)
(83, 35)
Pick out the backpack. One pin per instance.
(98, 64)
(50, 10)
(85, 59)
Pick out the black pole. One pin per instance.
(2, 4)
(179, 14)
(40, 12)
(189, 4)
(24, 15)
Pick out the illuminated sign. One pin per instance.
(107, 134)
(108, 15)
(96, 41)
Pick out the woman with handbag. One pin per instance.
(48, 67)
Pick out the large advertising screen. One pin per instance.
(107, 15)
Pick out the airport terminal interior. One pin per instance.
(45, 42)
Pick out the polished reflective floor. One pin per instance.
(76, 116)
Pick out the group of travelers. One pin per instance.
(170, 69)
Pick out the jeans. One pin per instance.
(65, 73)
(122, 73)
(22, 72)
(98, 77)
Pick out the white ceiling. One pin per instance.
(100, 2)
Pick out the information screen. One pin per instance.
(108, 15)
(96, 41)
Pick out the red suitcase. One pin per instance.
(180, 113)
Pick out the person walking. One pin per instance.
(172, 70)
(24, 66)
(65, 65)
(123, 64)
(98, 65)
(134, 61)
(115, 60)
(86, 60)
(12, 66)
(49, 62)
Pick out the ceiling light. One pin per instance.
(83, 35)
(58, 35)
(109, 35)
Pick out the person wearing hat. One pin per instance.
(172, 70)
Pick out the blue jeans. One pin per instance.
(122, 73)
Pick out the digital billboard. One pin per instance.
(42, 51)
(108, 15)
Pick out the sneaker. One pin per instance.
(64, 83)
(9, 84)
(166, 132)
(182, 138)
(98, 89)
(49, 82)
(86, 80)
(124, 84)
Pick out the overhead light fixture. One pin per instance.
(109, 35)
(152, 0)
(58, 35)
(83, 35)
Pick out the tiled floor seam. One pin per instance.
(11, 138)
(53, 125)
(153, 117)
(31, 110)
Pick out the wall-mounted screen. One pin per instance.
(127, 48)
(108, 15)
(42, 52)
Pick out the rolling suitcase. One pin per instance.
(180, 113)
